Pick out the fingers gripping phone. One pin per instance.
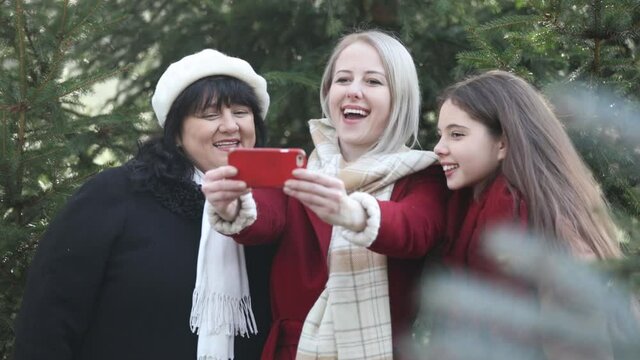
(266, 167)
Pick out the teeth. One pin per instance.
(355, 111)
(226, 143)
(449, 167)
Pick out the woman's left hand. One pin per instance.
(327, 197)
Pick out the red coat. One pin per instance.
(411, 224)
(468, 219)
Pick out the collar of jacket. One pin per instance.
(179, 196)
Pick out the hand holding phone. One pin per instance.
(266, 167)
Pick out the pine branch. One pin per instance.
(478, 60)
(577, 73)
(61, 47)
(473, 56)
(282, 77)
(56, 187)
(77, 27)
(45, 154)
(492, 56)
(75, 113)
(64, 43)
(508, 21)
(90, 81)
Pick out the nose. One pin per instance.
(228, 122)
(440, 149)
(355, 90)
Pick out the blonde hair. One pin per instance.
(563, 198)
(403, 85)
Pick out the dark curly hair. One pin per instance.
(160, 158)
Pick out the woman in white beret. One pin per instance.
(117, 276)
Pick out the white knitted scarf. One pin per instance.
(351, 319)
(221, 307)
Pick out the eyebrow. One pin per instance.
(450, 126)
(366, 72)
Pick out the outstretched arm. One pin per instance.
(407, 227)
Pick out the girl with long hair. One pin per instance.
(509, 159)
(496, 130)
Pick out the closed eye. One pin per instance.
(241, 112)
(211, 116)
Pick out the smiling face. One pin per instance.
(468, 152)
(207, 138)
(359, 99)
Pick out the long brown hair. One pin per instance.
(563, 198)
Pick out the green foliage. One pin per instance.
(585, 55)
(48, 145)
(53, 52)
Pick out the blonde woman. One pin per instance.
(353, 229)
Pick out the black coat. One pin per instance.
(114, 274)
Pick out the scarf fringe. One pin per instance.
(231, 315)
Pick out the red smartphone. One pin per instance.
(266, 167)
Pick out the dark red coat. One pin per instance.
(411, 224)
(468, 219)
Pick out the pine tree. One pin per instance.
(287, 41)
(48, 143)
(584, 54)
(53, 51)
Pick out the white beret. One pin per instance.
(191, 68)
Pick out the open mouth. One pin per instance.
(226, 145)
(354, 113)
(450, 167)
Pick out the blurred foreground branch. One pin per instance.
(573, 310)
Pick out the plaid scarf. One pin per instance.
(351, 319)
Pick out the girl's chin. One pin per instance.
(454, 185)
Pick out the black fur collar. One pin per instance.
(179, 196)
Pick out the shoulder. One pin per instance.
(501, 192)
(431, 173)
(503, 201)
(108, 181)
(109, 186)
(119, 174)
(431, 177)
